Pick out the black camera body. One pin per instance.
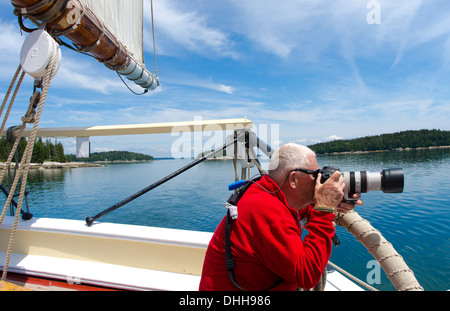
(390, 180)
(327, 172)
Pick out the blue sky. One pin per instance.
(315, 69)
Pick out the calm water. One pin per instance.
(416, 221)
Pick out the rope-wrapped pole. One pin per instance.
(392, 263)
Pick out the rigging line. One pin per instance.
(25, 161)
(8, 93)
(145, 91)
(61, 42)
(154, 44)
(76, 49)
(22, 26)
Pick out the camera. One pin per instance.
(390, 180)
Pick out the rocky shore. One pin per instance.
(47, 165)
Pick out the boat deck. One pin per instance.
(114, 256)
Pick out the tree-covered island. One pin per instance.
(113, 156)
(404, 140)
(47, 151)
(394, 141)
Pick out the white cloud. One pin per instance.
(226, 88)
(306, 30)
(192, 81)
(75, 80)
(10, 38)
(399, 23)
(302, 30)
(420, 108)
(273, 26)
(179, 28)
(334, 137)
(300, 141)
(11, 44)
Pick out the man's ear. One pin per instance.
(293, 180)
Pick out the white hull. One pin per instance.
(117, 256)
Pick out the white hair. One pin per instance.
(288, 157)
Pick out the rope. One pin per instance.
(5, 118)
(9, 160)
(26, 158)
(354, 278)
(135, 93)
(154, 44)
(9, 90)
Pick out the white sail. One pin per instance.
(124, 18)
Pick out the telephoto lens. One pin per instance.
(389, 180)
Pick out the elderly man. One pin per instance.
(266, 243)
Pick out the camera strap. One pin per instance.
(229, 262)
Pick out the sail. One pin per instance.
(124, 19)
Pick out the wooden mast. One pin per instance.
(71, 19)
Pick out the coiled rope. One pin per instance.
(30, 117)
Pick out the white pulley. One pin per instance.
(36, 54)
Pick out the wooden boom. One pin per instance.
(138, 129)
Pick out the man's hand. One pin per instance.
(331, 192)
(344, 207)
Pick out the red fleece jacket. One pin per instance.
(266, 244)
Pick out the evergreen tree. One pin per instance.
(40, 153)
(51, 153)
(21, 147)
(3, 149)
(59, 153)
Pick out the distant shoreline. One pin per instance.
(49, 165)
(352, 152)
(387, 150)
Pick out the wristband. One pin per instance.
(325, 209)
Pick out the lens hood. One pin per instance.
(392, 180)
